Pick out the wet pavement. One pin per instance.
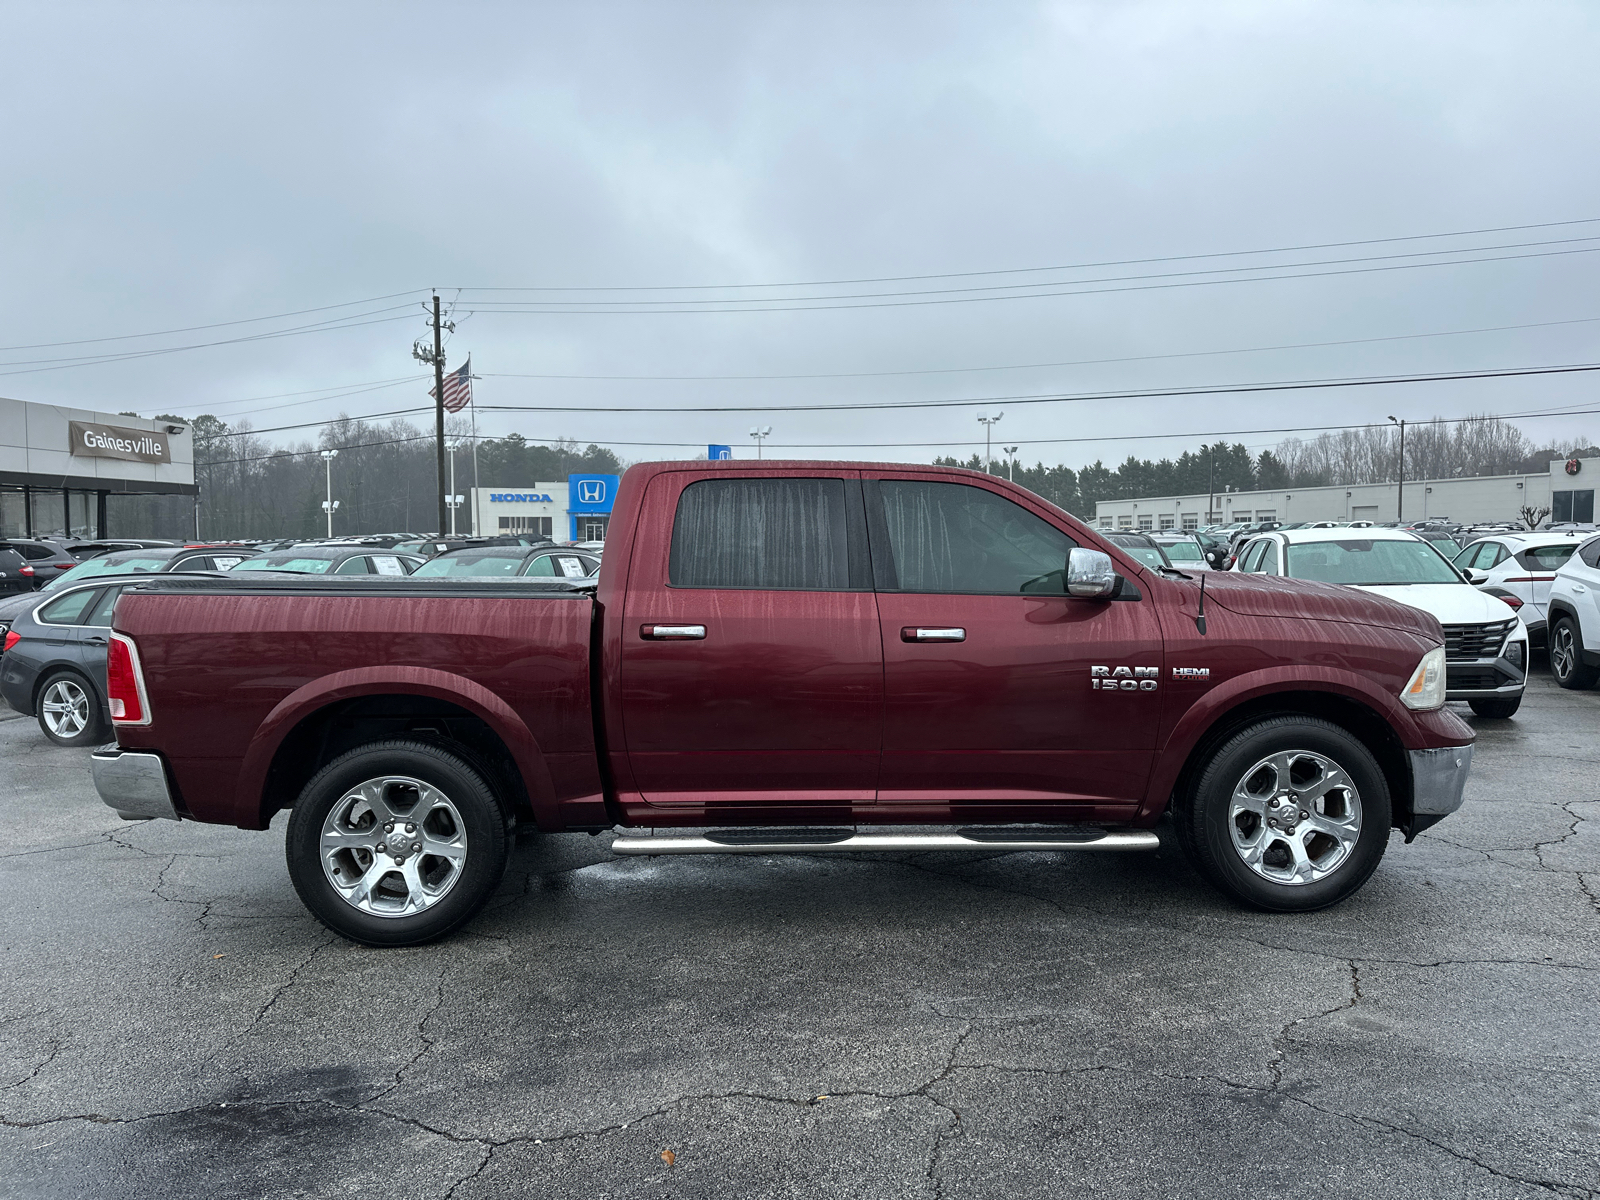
(173, 1024)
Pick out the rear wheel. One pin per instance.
(1288, 815)
(69, 711)
(1566, 656)
(397, 843)
(1497, 710)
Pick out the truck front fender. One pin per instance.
(1229, 695)
(313, 697)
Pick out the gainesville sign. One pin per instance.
(110, 441)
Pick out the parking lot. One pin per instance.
(173, 1023)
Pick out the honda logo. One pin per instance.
(592, 491)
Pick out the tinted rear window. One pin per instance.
(788, 534)
(1548, 558)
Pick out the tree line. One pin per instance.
(1436, 449)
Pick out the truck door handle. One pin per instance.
(672, 633)
(919, 633)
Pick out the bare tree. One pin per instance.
(1531, 516)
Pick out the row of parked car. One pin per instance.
(1496, 596)
(55, 630)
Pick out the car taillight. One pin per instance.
(12, 638)
(64, 566)
(25, 569)
(125, 683)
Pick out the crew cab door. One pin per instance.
(751, 666)
(994, 692)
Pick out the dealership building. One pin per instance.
(1566, 489)
(578, 510)
(72, 472)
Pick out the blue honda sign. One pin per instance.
(591, 493)
(718, 453)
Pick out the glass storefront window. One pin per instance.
(49, 514)
(81, 514)
(13, 515)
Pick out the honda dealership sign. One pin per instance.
(591, 493)
(110, 441)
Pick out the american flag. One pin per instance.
(457, 388)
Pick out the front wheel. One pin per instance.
(1496, 710)
(1566, 656)
(397, 843)
(1288, 815)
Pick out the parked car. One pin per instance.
(1142, 547)
(550, 562)
(332, 560)
(54, 662)
(16, 576)
(1486, 643)
(779, 652)
(1523, 564)
(1183, 551)
(45, 557)
(1574, 616)
(81, 550)
(1440, 541)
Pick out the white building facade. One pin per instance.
(1567, 489)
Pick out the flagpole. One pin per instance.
(475, 529)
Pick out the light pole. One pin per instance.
(761, 433)
(454, 500)
(988, 423)
(330, 503)
(1400, 492)
(1011, 467)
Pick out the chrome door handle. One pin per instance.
(922, 633)
(673, 633)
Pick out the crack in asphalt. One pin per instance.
(55, 1049)
(294, 976)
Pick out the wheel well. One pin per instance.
(1351, 715)
(327, 733)
(50, 672)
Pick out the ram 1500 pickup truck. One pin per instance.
(778, 655)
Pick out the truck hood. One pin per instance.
(1450, 603)
(1275, 596)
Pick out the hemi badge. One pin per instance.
(1191, 672)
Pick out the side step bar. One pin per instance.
(848, 841)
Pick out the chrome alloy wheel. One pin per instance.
(65, 708)
(393, 846)
(1563, 651)
(1295, 817)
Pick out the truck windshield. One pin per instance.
(1370, 561)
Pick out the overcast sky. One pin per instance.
(168, 166)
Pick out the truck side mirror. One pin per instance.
(1090, 574)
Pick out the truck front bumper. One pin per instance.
(1438, 780)
(133, 783)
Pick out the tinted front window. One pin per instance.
(353, 566)
(761, 533)
(952, 537)
(101, 613)
(1369, 561)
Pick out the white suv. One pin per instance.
(1574, 609)
(1522, 565)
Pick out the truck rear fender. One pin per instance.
(295, 740)
(1344, 698)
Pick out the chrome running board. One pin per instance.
(846, 841)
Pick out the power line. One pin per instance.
(547, 308)
(1081, 362)
(1126, 262)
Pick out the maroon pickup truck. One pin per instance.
(781, 654)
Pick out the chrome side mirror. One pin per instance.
(1090, 574)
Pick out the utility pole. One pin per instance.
(1400, 494)
(434, 357)
(1011, 467)
(453, 498)
(988, 429)
(1211, 486)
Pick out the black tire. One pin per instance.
(471, 808)
(64, 687)
(1566, 656)
(1208, 836)
(1496, 710)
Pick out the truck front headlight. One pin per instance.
(1426, 688)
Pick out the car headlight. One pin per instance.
(1425, 690)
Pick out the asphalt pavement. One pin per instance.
(173, 1024)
